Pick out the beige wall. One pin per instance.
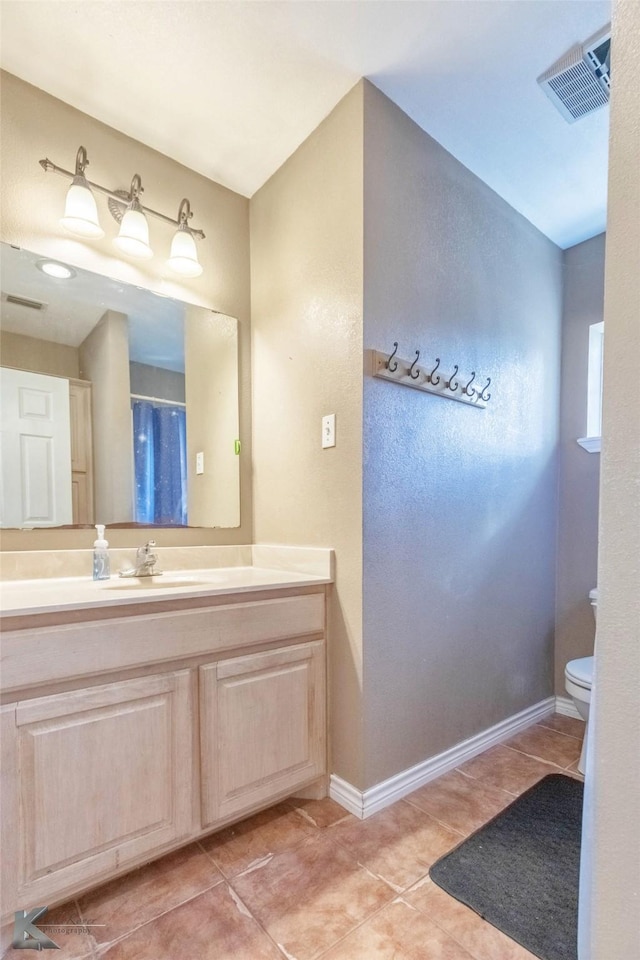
(211, 383)
(306, 255)
(459, 503)
(36, 125)
(583, 304)
(610, 892)
(39, 356)
(104, 360)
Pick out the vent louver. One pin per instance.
(25, 302)
(579, 82)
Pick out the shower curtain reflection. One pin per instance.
(160, 462)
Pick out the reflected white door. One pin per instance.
(35, 450)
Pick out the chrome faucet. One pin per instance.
(146, 560)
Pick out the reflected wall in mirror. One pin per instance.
(119, 406)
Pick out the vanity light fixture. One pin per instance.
(80, 210)
(183, 258)
(133, 237)
(81, 218)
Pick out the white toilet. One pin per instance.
(578, 679)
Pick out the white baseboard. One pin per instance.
(567, 707)
(365, 803)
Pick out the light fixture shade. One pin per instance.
(133, 238)
(183, 258)
(80, 211)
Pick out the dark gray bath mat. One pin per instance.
(520, 871)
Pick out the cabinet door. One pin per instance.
(99, 776)
(81, 451)
(262, 728)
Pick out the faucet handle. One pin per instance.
(146, 548)
(146, 560)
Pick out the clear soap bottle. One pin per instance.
(101, 565)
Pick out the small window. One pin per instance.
(594, 388)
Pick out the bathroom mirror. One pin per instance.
(119, 405)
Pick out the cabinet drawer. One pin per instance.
(48, 654)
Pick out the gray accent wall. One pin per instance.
(459, 542)
(579, 470)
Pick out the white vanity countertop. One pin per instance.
(21, 597)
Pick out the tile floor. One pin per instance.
(306, 880)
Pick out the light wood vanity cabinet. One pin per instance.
(262, 728)
(98, 777)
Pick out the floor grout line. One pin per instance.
(320, 954)
(474, 955)
(443, 823)
(560, 732)
(255, 919)
(102, 948)
(361, 923)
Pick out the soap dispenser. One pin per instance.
(101, 565)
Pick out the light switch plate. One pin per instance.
(329, 430)
(200, 462)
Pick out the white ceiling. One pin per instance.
(231, 89)
(71, 309)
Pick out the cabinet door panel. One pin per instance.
(111, 749)
(104, 775)
(81, 451)
(262, 727)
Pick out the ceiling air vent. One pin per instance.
(579, 82)
(25, 302)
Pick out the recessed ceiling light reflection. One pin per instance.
(54, 269)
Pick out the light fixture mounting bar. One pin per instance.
(49, 167)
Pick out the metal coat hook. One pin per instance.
(460, 387)
(434, 380)
(470, 393)
(395, 365)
